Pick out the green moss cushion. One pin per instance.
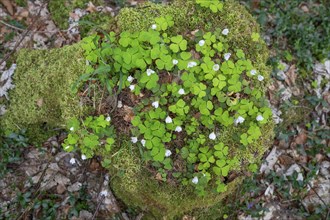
(42, 97)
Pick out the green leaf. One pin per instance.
(221, 188)
(202, 157)
(204, 149)
(183, 45)
(174, 48)
(211, 159)
(185, 55)
(225, 170)
(217, 171)
(209, 105)
(160, 155)
(221, 163)
(140, 63)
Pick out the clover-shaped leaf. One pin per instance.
(178, 43)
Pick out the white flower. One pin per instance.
(73, 161)
(212, 136)
(150, 71)
(201, 43)
(191, 64)
(260, 78)
(216, 67)
(168, 119)
(153, 27)
(174, 61)
(108, 118)
(259, 118)
(155, 104)
(239, 120)
(168, 153)
(83, 157)
(227, 56)
(72, 129)
(134, 140)
(225, 31)
(181, 91)
(178, 129)
(132, 87)
(104, 193)
(130, 79)
(120, 104)
(67, 147)
(143, 142)
(253, 72)
(195, 180)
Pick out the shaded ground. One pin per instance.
(293, 183)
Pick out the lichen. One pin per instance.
(42, 97)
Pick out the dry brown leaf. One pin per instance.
(94, 165)
(301, 138)
(91, 8)
(285, 160)
(74, 16)
(158, 177)
(291, 76)
(8, 5)
(60, 189)
(194, 32)
(128, 113)
(24, 13)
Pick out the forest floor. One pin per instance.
(294, 179)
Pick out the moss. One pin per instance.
(42, 97)
(188, 17)
(136, 187)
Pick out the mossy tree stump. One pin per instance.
(48, 76)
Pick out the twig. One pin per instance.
(98, 207)
(317, 194)
(21, 29)
(36, 194)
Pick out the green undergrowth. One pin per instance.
(198, 77)
(60, 10)
(195, 128)
(299, 30)
(42, 99)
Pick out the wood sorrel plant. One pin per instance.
(212, 87)
(89, 136)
